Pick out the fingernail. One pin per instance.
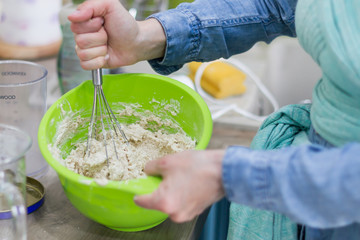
(76, 12)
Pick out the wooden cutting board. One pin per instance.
(8, 51)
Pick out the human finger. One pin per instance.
(88, 10)
(94, 8)
(91, 53)
(81, 14)
(92, 25)
(90, 40)
(160, 199)
(158, 166)
(98, 62)
(146, 201)
(164, 199)
(149, 201)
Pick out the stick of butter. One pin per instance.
(219, 79)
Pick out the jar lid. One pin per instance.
(35, 193)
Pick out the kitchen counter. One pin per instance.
(58, 219)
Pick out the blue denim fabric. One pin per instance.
(350, 232)
(310, 184)
(227, 27)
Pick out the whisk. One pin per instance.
(101, 109)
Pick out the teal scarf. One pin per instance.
(286, 127)
(329, 30)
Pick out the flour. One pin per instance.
(150, 136)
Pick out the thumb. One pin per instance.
(81, 15)
(147, 200)
(88, 10)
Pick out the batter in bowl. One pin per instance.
(150, 136)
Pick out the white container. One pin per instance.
(291, 73)
(30, 22)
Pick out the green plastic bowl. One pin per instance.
(112, 204)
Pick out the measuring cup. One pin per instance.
(23, 104)
(14, 143)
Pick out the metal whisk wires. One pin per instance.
(101, 109)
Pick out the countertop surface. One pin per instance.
(58, 219)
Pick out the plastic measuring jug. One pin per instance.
(14, 143)
(23, 104)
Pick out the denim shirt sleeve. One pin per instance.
(206, 30)
(310, 184)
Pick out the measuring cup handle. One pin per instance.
(18, 210)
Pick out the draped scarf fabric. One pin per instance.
(329, 30)
(281, 129)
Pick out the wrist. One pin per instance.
(151, 40)
(216, 159)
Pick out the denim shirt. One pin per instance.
(227, 27)
(312, 184)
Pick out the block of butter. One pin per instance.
(219, 79)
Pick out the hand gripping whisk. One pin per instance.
(101, 109)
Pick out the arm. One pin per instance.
(309, 184)
(107, 36)
(206, 30)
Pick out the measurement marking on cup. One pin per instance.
(13, 73)
(7, 97)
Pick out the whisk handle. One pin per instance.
(97, 77)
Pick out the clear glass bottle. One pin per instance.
(70, 73)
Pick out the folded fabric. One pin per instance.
(286, 127)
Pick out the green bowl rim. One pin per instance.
(121, 185)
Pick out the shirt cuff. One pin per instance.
(245, 176)
(182, 40)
